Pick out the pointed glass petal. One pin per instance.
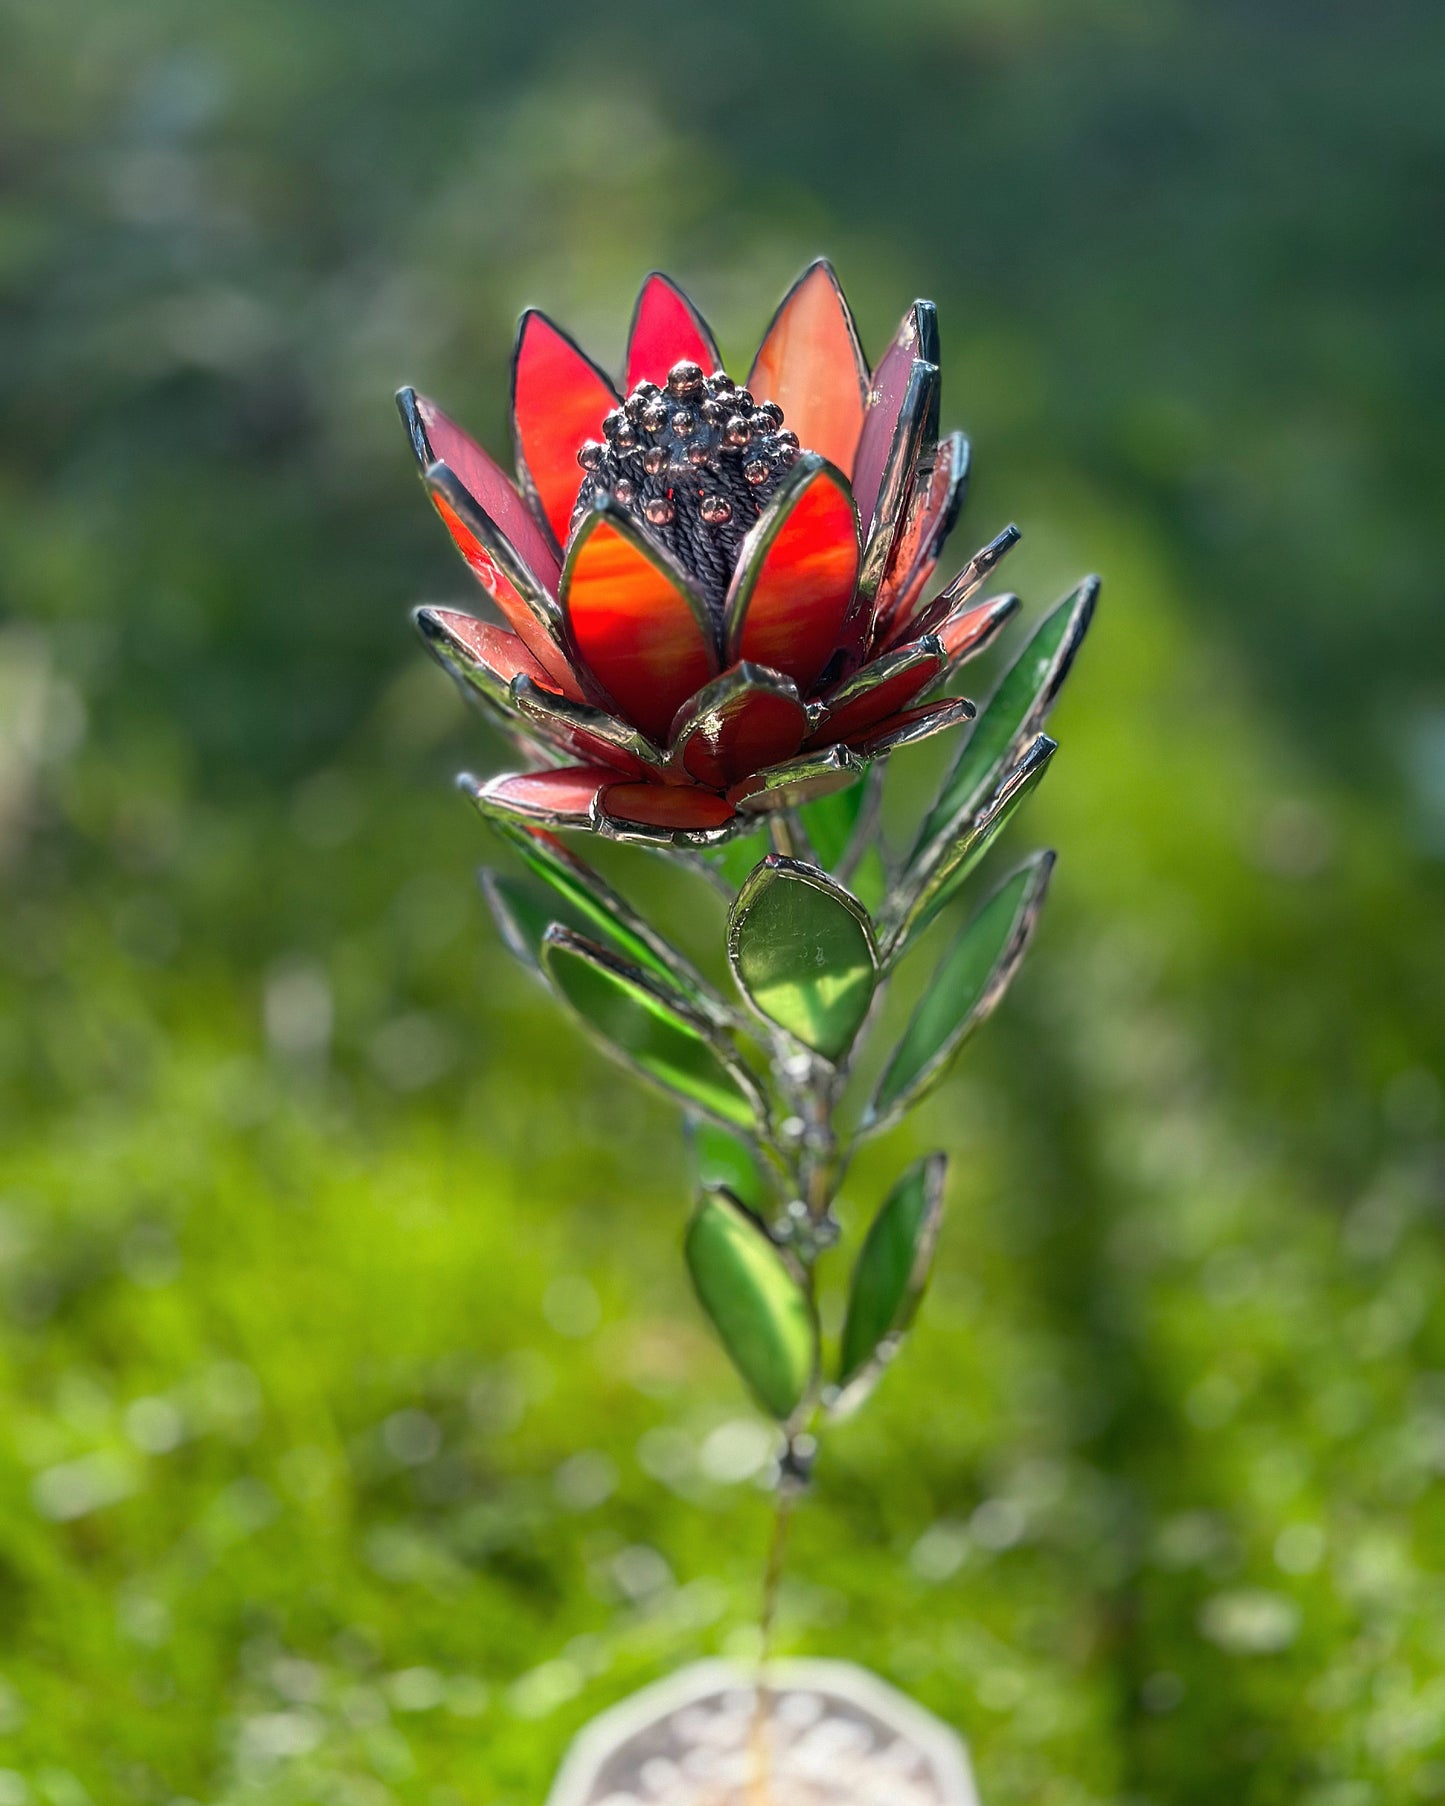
(565, 798)
(947, 603)
(933, 508)
(811, 365)
(681, 807)
(666, 328)
(754, 1301)
(938, 881)
(879, 691)
(796, 574)
(635, 619)
(889, 1277)
(485, 658)
(969, 629)
(437, 439)
(743, 721)
(530, 611)
(915, 341)
(559, 397)
(970, 982)
(589, 735)
(584, 899)
(1011, 717)
(798, 781)
(646, 1029)
(911, 446)
(912, 725)
(801, 949)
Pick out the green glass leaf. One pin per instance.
(890, 1276)
(829, 823)
(970, 981)
(650, 1030)
(1012, 716)
(523, 914)
(953, 861)
(870, 880)
(802, 950)
(754, 1301)
(592, 904)
(725, 1162)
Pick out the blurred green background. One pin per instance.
(360, 1439)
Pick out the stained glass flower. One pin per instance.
(714, 598)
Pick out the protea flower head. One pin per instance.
(716, 595)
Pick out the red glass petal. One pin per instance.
(932, 510)
(748, 719)
(798, 781)
(635, 620)
(969, 629)
(558, 399)
(531, 612)
(796, 574)
(667, 806)
(911, 725)
(967, 583)
(915, 341)
(565, 798)
(485, 656)
(811, 365)
(879, 691)
(666, 328)
(589, 734)
(437, 438)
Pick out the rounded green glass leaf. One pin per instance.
(754, 1301)
(802, 950)
(968, 985)
(890, 1275)
(654, 1033)
(1013, 714)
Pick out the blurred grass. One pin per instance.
(362, 1439)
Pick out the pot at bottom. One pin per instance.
(821, 1734)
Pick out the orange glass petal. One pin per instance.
(796, 576)
(666, 328)
(634, 623)
(811, 364)
(467, 536)
(497, 653)
(969, 630)
(483, 478)
(666, 806)
(558, 399)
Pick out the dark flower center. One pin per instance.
(696, 462)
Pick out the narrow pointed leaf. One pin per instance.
(523, 913)
(1011, 717)
(952, 861)
(802, 951)
(588, 901)
(965, 990)
(755, 1303)
(890, 1275)
(654, 1033)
